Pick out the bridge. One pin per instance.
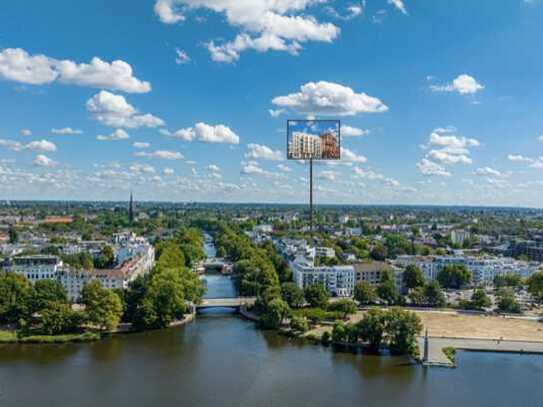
(226, 302)
(216, 263)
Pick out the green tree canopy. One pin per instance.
(47, 292)
(364, 293)
(103, 307)
(317, 295)
(412, 277)
(292, 294)
(15, 298)
(535, 286)
(454, 276)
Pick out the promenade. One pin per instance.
(436, 357)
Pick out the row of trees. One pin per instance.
(22, 304)
(395, 327)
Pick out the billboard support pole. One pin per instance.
(311, 197)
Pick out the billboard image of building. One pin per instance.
(313, 140)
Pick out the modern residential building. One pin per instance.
(459, 236)
(338, 280)
(326, 252)
(329, 146)
(304, 146)
(371, 272)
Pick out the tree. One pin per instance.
(479, 299)
(106, 259)
(274, 314)
(454, 276)
(364, 293)
(507, 280)
(388, 292)
(402, 329)
(371, 328)
(344, 306)
(316, 295)
(433, 295)
(339, 333)
(535, 286)
(59, 318)
(102, 306)
(507, 302)
(15, 298)
(13, 235)
(379, 252)
(47, 292)
(293, 295)
(412, 277)
(417, 296)
(299, 324)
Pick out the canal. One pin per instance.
(222, 360)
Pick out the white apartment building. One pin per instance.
(338, 280)
(326, 252)
(459, 236)
(42, 267)
(304, 146)
(483, 269)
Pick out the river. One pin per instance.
(223, 360)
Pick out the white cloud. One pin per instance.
(213, 168)
(490, 172)
(351, 156)
(161, 154)
(519, 158)
(329, 99)
(114, 111)
(18, 65)
(429, 168)
(284, 168)
(168, 171)
(264, 25)
(139, 144)
(66, 131)
(118, 134)
(44, 161)
(12, 144)
(25, 132)
(349, 131)
(43, 146)
(165, 10)
(259, 151)
(463, 84)
(328, 175)
(399, 5)
(205, 133)
(276, 112)
(181, 57)
(450, 149)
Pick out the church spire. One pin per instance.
(131, 209)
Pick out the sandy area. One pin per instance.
(471, 326)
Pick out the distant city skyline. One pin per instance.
(187, 100)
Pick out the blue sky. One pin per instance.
(440, 101)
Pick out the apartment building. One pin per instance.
(338, 280)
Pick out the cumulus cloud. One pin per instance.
(399, 5)
(349, 131)
(139, 144)
(351, 156)
(448, 148)
(329, 99)
(519, 158)
(66, 131)
(25, 132)
(213, 168)
(259, 151)
(118, 134)
(44, 161)
(18, 65)
(264, 25)
(430, 168)
(490, 172)
(284, 168)
(463, 84)
(168, 171)
(161, 154)
(328, 175)
(43, 146)
(114, 111)
(206, 133)
(276, 112)
(181, 57)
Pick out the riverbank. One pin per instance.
(14, 337)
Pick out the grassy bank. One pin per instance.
(13, 337)
(450, 352)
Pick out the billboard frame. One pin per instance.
(338, 122)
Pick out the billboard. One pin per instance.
(313, 140)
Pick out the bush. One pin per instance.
(299, 324)
(325, 338)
